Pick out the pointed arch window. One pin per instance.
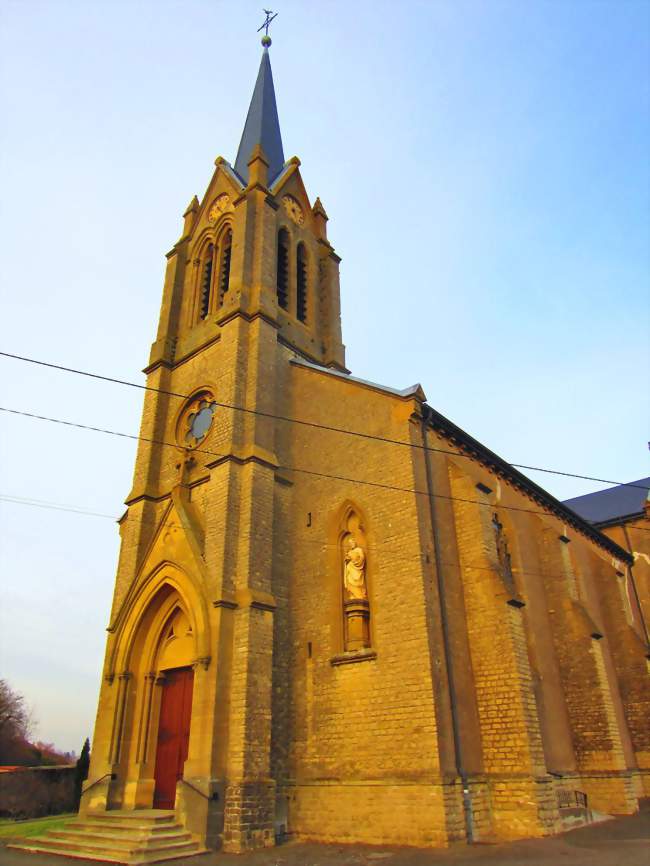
(224, 270)
(302, 277)
(206, 283)
(283, 269)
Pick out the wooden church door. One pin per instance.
(173, 735)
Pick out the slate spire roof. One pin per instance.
(262, 125)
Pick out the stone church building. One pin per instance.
(337, 616)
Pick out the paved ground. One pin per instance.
(620, 842)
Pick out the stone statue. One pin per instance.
(503, 554)
(354, 576)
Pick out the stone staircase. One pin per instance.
(141, 836)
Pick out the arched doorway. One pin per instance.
(175, 676)
(159, 648)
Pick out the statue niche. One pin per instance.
(503, 556)
(356, 608)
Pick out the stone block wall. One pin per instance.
(33, 792)
(375, 814)
(356, 752)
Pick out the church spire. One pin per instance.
(262, 126)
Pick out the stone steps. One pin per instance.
(144, 836)
(119, 840)
(117, 830)
(41, 847)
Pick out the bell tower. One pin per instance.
(254, 246)
(251, 285)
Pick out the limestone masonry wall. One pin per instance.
(385, 644)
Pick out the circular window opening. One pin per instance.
(196, 420)
(200, 421)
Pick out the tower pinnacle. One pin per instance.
(262, 125)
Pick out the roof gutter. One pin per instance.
(615, 521)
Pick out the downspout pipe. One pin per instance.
(444, 620)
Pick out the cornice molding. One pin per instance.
(470, 447)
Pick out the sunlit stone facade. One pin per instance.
(391, 636)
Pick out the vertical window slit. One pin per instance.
(206, 283)
(224, 276)
(283, 269)
(301, 272)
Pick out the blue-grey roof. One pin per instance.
(612, 504)
(262, 125)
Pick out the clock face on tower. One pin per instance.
(293, 209)
(220, 205)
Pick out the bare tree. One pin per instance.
(15, 721)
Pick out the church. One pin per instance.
(337, 616)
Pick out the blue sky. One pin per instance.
(485, 169)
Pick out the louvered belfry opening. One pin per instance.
(301, 274)
(283, 269)
(206, 283)
(224, 273)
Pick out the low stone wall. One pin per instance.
(32, 792)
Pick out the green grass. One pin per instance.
(20, 829)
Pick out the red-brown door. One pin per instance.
(173, 735)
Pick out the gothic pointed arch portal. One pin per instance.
(160, 647)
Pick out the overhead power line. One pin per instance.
(159, 522)
(54, 506)
(286, 468)
(313, 424)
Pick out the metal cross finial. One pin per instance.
(270, 15)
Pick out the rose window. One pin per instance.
(196, 420)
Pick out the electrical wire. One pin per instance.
(54, 506)
(160, 522)
(296, 469)
(313, 424)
